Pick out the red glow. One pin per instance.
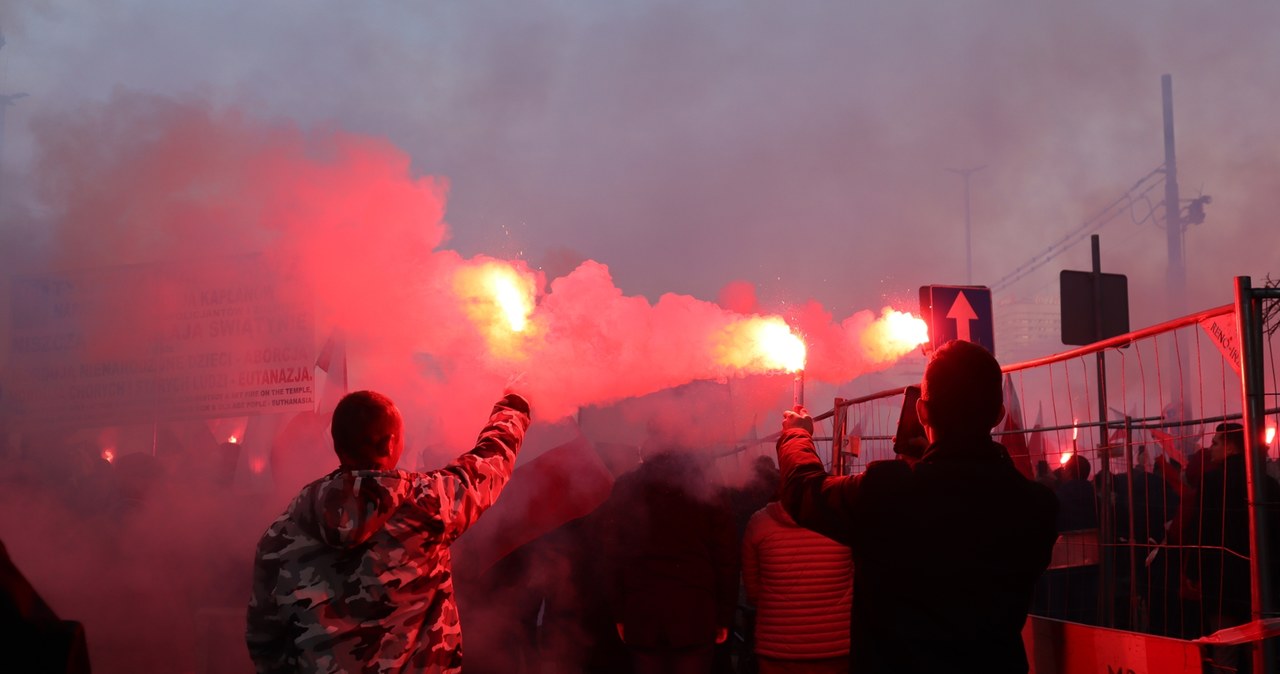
(1271, 434)
(109, 454)
(499, 296)
(763, 343)
(256, 464)
(1075, 430)
(904, 331)
(233, 440)
(1066, 456)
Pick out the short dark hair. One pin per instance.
(356, 421)
(1231, 433)
(962, 388)
(1078, 467)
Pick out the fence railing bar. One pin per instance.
(1122, 340)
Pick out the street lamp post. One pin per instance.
(6, 100)
(968, 225)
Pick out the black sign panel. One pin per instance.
(1078, 303)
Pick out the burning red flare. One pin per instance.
(233, 440)
(109, 454)
(1271, 434)
(762, 344)
(499, 299)
(1066, 456)
(904, 331)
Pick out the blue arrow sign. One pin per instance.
(958, 312)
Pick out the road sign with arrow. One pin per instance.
(958, 312)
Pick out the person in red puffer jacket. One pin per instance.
(801, 584)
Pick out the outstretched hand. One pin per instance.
(797, 418)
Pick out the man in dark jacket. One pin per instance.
(356, 575)
(1215, 526)
(673, 564)
(945, 551)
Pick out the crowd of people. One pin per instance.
(1179, 536)
(912, 566)
(930, 562)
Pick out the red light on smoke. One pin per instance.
(499, 296)
(905, 331)
(761, 344)
(782, 349)
(109, 455)
(257, 464)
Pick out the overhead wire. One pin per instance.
(1097, 221)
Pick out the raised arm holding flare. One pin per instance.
(356, 574)
(946, 550)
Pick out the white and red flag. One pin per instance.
(1012, 437)
(1035, 442)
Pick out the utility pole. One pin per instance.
(1177, 270)
(6, 100)
(968, 225)
(1177, 273)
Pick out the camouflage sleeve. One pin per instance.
(467, 487)
(265, 632)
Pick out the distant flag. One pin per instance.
(1117, 437)
(1185, 438)
(1035, 444)
(1013, 439)
(558, 486)
(1122, 435)
(1169, 445)
(854, 440)
(333, 362)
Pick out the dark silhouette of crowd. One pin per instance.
(135, 561)
(925, 565)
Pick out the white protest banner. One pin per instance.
(144, 343)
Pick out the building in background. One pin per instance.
(1027, 327)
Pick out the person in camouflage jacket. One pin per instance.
(355, 576)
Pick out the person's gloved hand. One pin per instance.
(797, 418)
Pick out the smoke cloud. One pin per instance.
(622, 161)
(342, 226)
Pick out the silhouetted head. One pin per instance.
(368, 431)
(961, 394)
(1077, 468)
(1228, 440)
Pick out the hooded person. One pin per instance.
(356, 574)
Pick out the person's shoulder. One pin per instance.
(280, 535)
(760, 520)
(1039, 496)
(886, 469)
